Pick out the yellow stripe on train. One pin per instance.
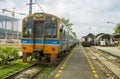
(47, 49)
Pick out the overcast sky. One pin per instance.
(86, 15)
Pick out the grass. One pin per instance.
(12, 67)
(48, 70)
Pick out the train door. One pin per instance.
(38, 38)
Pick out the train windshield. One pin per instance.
(38, 28)
(28, 25)
(47, 27)
(50, 29)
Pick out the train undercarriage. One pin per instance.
(39, 58)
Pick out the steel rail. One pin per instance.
(108, 71)
(22, 72)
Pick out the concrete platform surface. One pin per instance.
(112, 50)
(77, 67)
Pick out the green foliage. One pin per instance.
(6, 53)
(74, 34)
(67, 23)
(117, 28)
(13, 67)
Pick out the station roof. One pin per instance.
(7, 18)
(99, 34)
(116, 35)
(91, 35)
(103, 36)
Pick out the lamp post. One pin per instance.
(30, 6)
(13, 23)
(115, 34)
(111, 23)
(89, 29)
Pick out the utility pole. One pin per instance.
(30, 7)
(89, 29)
(111, 23)
(13, 23)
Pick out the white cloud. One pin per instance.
(84, 14)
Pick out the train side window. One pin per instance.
(61, 29)
(64, 33)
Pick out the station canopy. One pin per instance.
(102, 35)
(116, 36)
(7, 18)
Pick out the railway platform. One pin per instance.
(77, 66)
(112, 50)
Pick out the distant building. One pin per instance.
(6, 27)
(104, 39)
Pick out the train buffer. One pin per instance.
(76, 66)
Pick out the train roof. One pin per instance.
(91, 35)
(104, 35)
(41, 13)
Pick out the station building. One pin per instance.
(104, 39)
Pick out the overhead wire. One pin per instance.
(39, 6)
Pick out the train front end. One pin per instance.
(40, 38)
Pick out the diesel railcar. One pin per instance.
(86, 41)
(44, 38)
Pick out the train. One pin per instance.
(44, 38)
(88, 40)
(85, 41)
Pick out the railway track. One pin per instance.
(27, 73)
(105, 62)
(35, 71)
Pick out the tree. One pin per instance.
(117, 28)
(74, 34)
(67, 23)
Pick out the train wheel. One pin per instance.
(53, 58)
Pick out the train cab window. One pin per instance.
(38, 29)
(51, 29)
(28, 31)
(28, 25)
(89, 39)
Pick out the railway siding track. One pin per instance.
(105, 63)
(27, 73)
